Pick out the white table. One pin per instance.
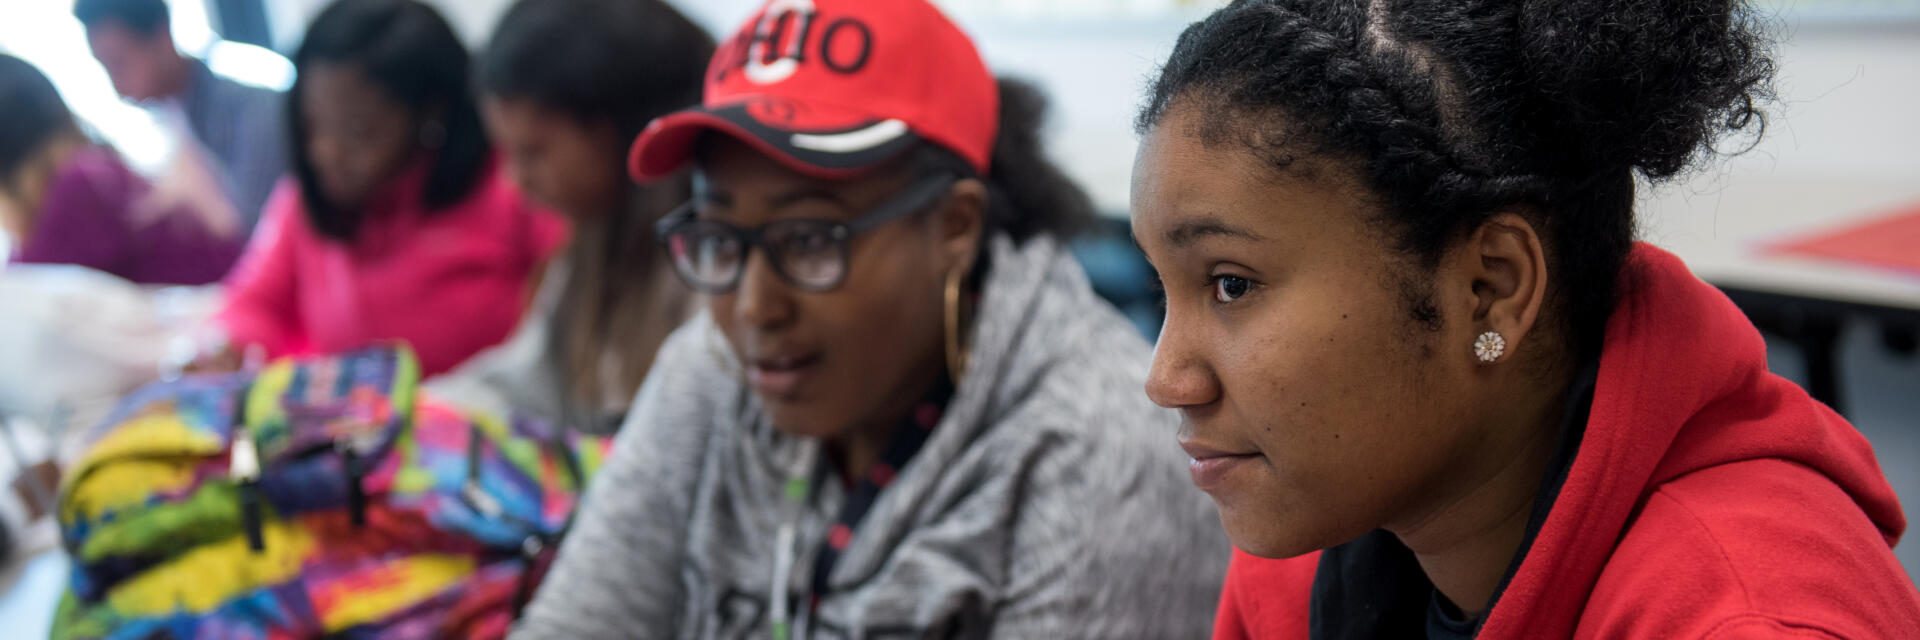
(1722, 226)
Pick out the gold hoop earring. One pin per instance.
(956, 353)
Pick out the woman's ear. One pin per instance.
(1507, 268)
(13, 219)
(20, 196)
(961, 223)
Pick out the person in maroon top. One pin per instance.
(68, 200)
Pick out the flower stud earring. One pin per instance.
(1490, 347)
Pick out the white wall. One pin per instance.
(472, 19)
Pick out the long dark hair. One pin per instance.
(409, 51)
(623, 62)
(1451, 110)
(35, 115)
(620, 61)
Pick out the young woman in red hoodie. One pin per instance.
(1431, 381)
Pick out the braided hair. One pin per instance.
(1451, 111)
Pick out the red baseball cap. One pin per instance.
(832, 88)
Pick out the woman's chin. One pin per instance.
(1274, 536)
(798, 420)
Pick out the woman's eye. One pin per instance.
(1230, 288)
(809, 242)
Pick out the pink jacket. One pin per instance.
(451, 284)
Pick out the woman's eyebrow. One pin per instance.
(1188, 232)
(795, 196)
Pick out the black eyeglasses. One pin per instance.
(811, 255)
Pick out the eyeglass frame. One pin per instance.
(915, 198)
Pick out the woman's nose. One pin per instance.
(762, 300)
(1181, 377)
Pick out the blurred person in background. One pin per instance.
(237, 125)
(903, 411)
(1433, 384)
(398, 222)
(67, 199)
(567, 85)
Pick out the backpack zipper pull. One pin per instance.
(243, 465)
(354, 465)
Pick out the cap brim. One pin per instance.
(837, 152)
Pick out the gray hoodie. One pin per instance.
(1050, 501)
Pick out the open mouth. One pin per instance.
(780, 378)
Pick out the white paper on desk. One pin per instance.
(73, 342)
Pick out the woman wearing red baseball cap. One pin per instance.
(903, 411)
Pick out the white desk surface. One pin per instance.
(1722, 225)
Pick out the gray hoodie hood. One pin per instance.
(1050, 501)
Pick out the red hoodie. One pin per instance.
(1709, 499)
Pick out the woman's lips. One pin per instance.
(780, 378)
(1210, 467)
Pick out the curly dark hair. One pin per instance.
(1453, 110)
(1028, 195)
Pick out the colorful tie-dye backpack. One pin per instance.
(318, 498)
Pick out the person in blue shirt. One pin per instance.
(237, 124)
